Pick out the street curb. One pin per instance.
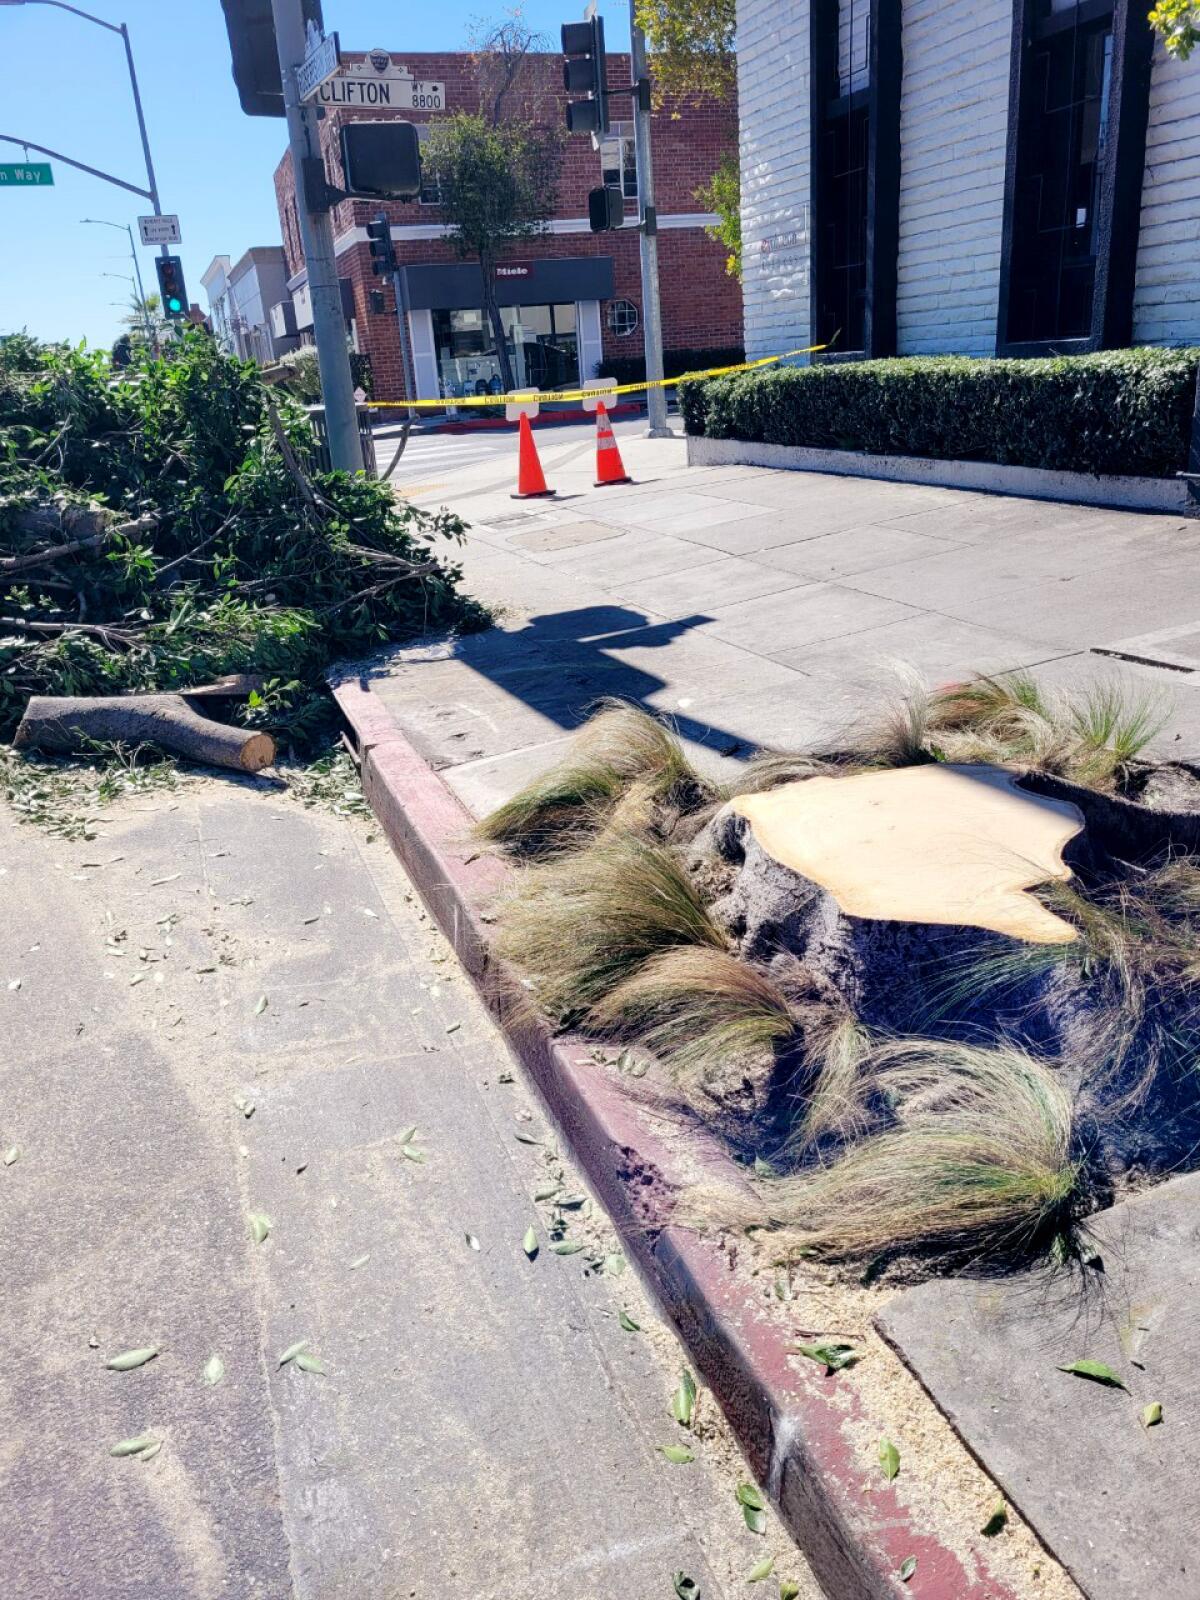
(550, 419)
(851, 1524)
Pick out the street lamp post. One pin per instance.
(114, 27)
(137, 268)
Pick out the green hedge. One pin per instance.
(1119, 411)
(632, 369)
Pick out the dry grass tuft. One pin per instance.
(1090, 737)
(622, 755)
(978, 1157)
(695, 1008)
(583, 924)
(836, 1102)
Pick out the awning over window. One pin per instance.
(456, 286)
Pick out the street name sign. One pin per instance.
(159, 230)
(377, 80)
(26, 175)
(318, 66)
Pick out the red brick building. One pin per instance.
(572, 297)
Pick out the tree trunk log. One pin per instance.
(163, 719)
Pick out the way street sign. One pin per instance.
(319, 65)
(26, 175)
(159, 230)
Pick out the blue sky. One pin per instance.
(66, 86)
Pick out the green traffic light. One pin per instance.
(174, 305)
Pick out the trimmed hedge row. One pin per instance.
(1118, 411)
(632, 369)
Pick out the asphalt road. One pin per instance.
(227, 1007)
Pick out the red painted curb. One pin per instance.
(791, 1423)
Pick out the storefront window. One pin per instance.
(542, 346)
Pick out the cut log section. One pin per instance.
(167, 720)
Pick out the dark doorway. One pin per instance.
(842, 220)
(1060, 155)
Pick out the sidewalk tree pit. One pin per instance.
(166, 524)
(938, 990)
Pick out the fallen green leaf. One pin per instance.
(833, 1356)
(359, 1261)
(246, 1107)
(472, 1241)
(761, 1569)
(907, 1568)
(1151, 1415)
(628, 1323)
(133, 1447)
(128, 1359)
(151, 1450)
(1096, 1371)
(614, 1264)
(547, 1191)
(789, 1589)
(567, 1247)
(260, 1005)
(530, 1242)
(997, 1520)
(525, 1138)
(260, 1226)
(407, 1135)
(677, 1453)
(571, 1202)
(889, 1459)
(683, 1401)
(686, 1588)
(412, 1152)
(754, 1519)
(763, 1169)
(292, 1351)
(13, 1153)
(308, 1363)
(749, 1495)
(214, 1370)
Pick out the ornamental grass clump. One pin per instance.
(620, 753)
(697, 1007)
(977, 1156)
(584, 923)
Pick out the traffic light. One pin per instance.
(383, 255)
(606, 209)
(584, 74)
(251, 29)
(171, 290)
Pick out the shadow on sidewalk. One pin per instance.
(560, 664)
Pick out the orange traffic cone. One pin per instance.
(609, 466)
(531, 480)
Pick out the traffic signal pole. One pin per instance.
(316, 236)
(656, 399)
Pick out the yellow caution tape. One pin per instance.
(523, 397)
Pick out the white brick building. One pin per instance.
(977, 177)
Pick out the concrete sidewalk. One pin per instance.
(770, 608)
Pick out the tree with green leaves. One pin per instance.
(691, 44)
(723, 194)
(499, 183)
(1177, 23)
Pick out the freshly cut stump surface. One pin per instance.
(944, 844)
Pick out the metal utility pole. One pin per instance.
(656, 399)
(113, 27)
(316, 236)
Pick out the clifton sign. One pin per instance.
(379, 81)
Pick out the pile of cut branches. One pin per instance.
(162, 526)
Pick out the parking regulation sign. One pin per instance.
(159, 230)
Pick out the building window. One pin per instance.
(1077, 130)
(855, 141)
(1060, 156)
(622, 318)
(542, 346)
(431, 189)
(618, 160)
